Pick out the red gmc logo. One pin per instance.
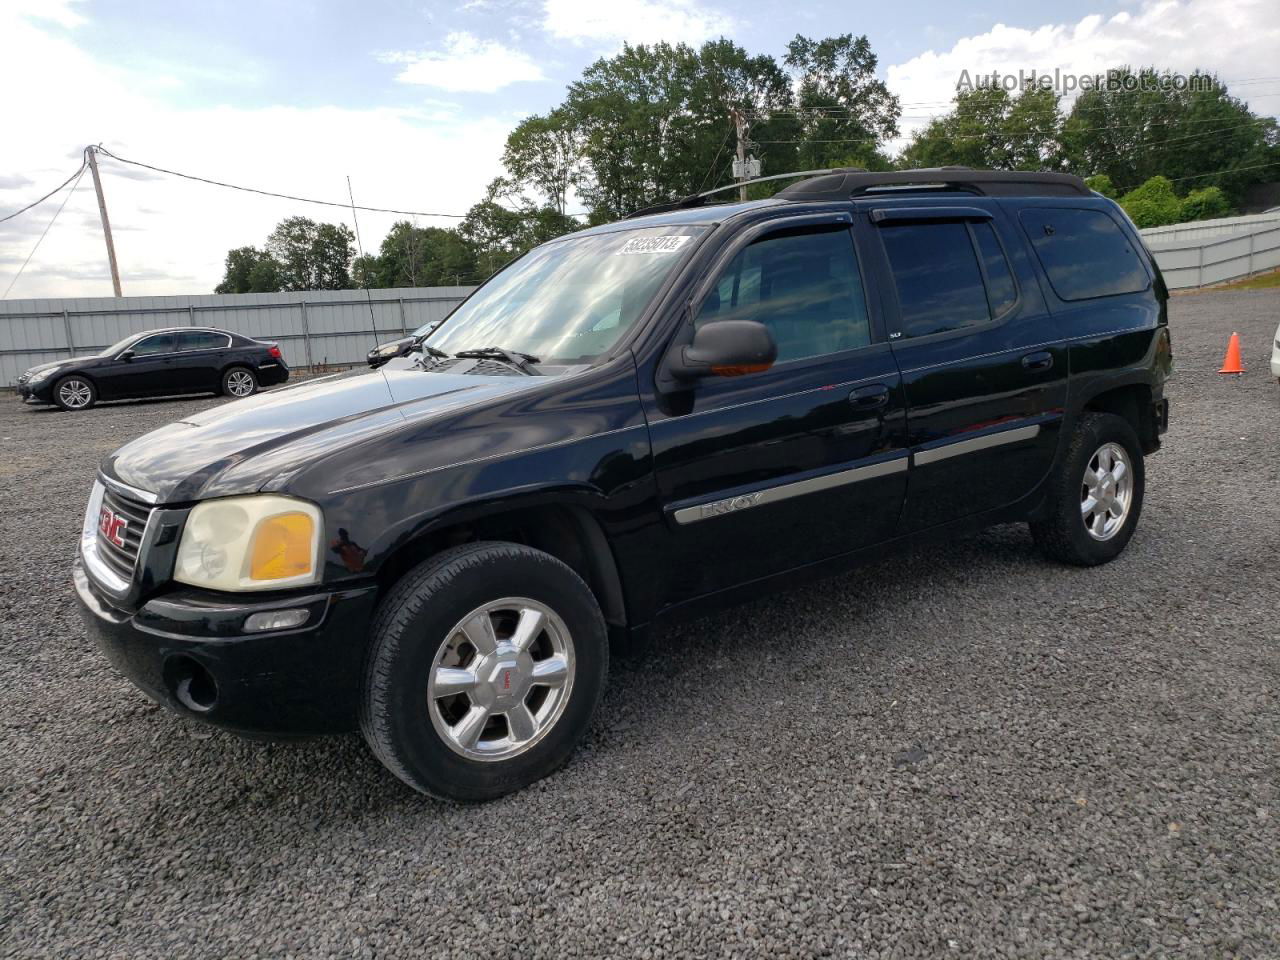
(112, 526)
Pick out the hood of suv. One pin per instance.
(241, 446)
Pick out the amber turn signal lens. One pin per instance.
(740, 369)
(282, 547)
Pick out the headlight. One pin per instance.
(40, 375)
(250, 543)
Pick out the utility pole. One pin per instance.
(106, 223)
(739, 168)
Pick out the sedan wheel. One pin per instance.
(240, 383)
(75, 393)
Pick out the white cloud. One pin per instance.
(174, 234)
(1235, 38)
(635, 21)
(467, 64)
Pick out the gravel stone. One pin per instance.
(960, 751)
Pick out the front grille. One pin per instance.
(123, 559)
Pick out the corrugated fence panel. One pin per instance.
(339, 322)
(1215, 251)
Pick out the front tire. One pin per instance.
(239, 382)
(75, 393)
(1095, 501)
(485, 667)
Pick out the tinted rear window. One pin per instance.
(201, 340)
(936, 274)
(1000, 288)
(1085, 252)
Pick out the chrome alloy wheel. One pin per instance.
(1106, 492)
(75, 394)
(240, 383)
(501, 679)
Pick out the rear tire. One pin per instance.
(75, 393)
(1095, 501)
(239, 382)
(474, 721)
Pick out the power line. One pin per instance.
(1211, 173)
(46, 231)
(46, 196)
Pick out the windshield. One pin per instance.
(115, 348)
(571, 300)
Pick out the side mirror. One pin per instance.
(727, 348)
(389, 351)
(127, 355)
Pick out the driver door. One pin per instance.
(145, 372)
(762, 473)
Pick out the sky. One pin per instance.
(413, 101)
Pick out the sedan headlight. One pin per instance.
(40, 375)
(262, 542)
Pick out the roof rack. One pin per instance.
(698, 199)
(842, 185)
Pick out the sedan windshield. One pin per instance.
(115, 348)
(571, 300)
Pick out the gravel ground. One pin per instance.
(962, 751)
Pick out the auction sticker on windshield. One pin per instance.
(653, 244)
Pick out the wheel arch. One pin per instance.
(1133, 402)
(570, 532)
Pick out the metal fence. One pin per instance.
(1206, 252)
(313, 328)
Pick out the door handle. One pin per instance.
(1038, 361)
(869, 398)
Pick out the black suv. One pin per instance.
(643, 420)
(158, 363)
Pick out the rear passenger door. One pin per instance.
(197, 363)
(983, 369)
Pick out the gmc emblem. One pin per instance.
(112, 526)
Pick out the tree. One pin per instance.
(1154, 204)
(989, 129)
(1205, 204)
(654, 120)
(249, 270)
(845, 111)
(546, 153)
(312, 256)
(1143, 125)
(1102, 184)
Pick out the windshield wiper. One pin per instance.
(520, 361)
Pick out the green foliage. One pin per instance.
(1205, 204)
(1132, 135)
(1154, 204)
(249, 270)
(312, 256)
(846, 111)
(1101, 183)
(990, 129)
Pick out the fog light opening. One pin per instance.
(192, 685)
(275, 620)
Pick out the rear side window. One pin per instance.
(202, 340)
(1000, 289)
(936, 273)
(1084, 252)
(803, 285)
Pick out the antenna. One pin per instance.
(373, 324)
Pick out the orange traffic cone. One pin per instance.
(1231, 362)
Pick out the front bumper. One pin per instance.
(39, 392)
(187, 650)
